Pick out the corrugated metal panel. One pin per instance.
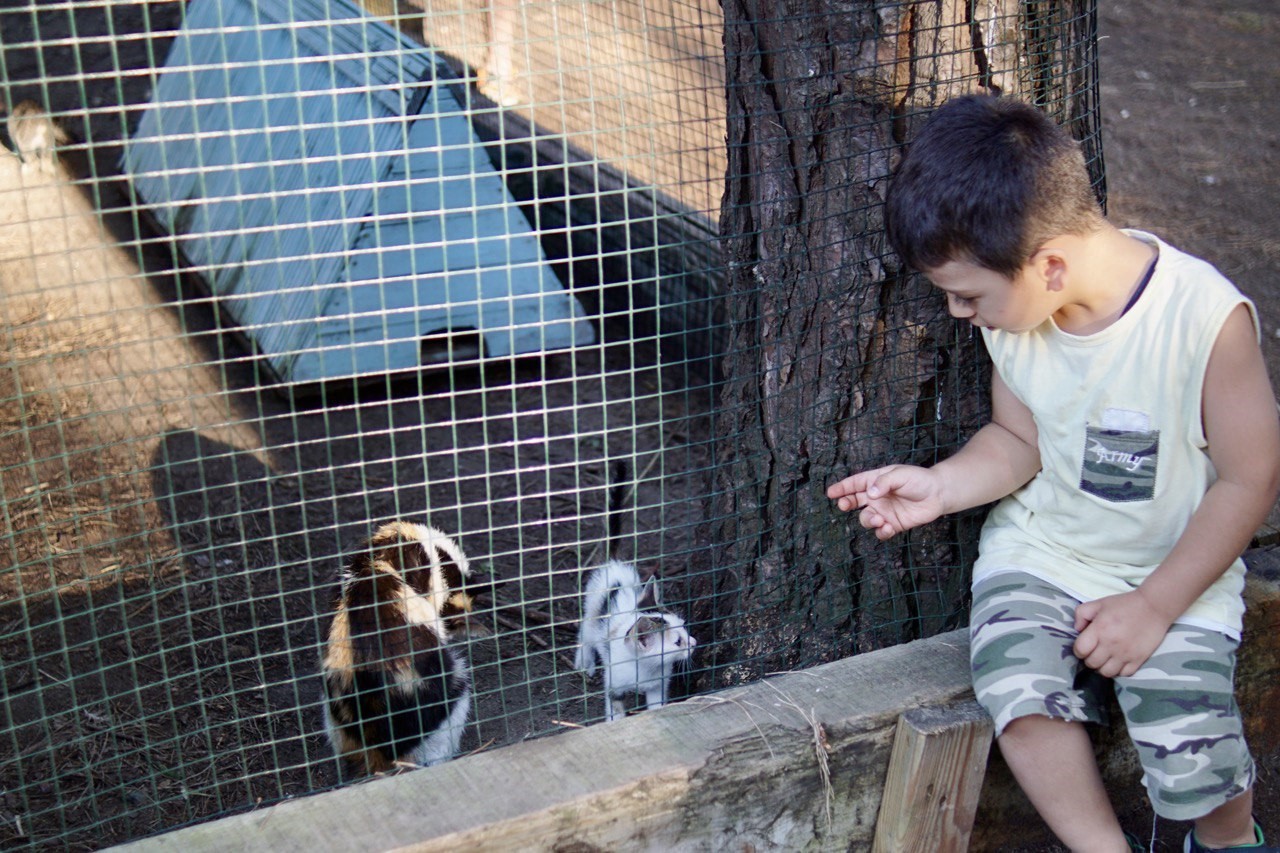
(239, 153)
(332, 195)
(450, 250)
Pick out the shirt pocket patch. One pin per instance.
(1120, 464)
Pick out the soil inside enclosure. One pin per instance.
(179, 544)
(128, 450)
(178, 526)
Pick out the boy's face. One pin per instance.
(989, 300)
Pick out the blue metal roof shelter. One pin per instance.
(331, 191)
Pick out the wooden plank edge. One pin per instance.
(798, 759)
(935, 777)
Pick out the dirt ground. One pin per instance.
(256, 496)
(189, 689)
(179, 525)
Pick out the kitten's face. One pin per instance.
(664, 636)
(677, 639)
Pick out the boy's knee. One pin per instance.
(1037, 726)
(1035, 743)
(1193, 765)
(1019, 734)
(1193, 793)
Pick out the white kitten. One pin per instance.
(637, 644)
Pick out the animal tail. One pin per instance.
(618, 485)
(615, 587)
(612, 588)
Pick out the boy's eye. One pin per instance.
(961, 300)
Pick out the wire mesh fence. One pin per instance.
(276, 273)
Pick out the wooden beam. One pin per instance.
(796, 762)
(935, 776)
(793, 762)
(1268, 536)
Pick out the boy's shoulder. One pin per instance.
(1174, 262)
(1188, 288)
(1170, 329)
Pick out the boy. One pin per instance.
(1135, 447)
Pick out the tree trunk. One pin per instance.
(838, 360)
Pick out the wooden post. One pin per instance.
(935, 775)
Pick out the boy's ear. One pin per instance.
(1051, 268)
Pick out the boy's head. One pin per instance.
(987, 180)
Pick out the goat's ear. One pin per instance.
(473, 626)
(484, 586)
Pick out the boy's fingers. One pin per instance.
(1084, 614)
(879, 487)
(849, 503)
(887, 483)
(876, 523)
(1083, 646)
(847, 486)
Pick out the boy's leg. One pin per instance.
(1039, 695)
(1184, 722)
(1054, 764)
(1229, 824)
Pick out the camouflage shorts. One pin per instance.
(1180, 707)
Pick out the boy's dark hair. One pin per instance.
(988, 180)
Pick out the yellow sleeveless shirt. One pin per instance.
(1122, 445)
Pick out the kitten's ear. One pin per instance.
(650, 593)
(646, 632)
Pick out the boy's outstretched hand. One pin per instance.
(892, 499)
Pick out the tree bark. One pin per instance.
(838, 359)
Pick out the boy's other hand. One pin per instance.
(1118, 633)
(890, 500)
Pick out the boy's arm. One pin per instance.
(999, 458)
(1243, 432)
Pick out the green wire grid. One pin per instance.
(174, 513)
